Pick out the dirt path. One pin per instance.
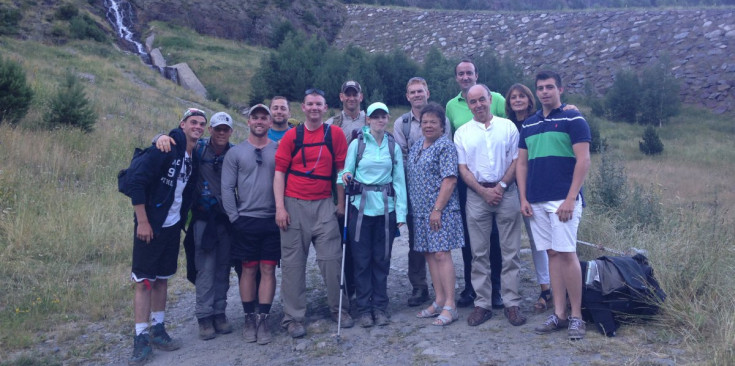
(406, 341)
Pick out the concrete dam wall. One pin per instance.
(582, 45)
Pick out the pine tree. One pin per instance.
(651, 144)
(71, 107)
(15, 94)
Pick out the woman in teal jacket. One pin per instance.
(373, 177)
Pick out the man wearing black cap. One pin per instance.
(351, 118)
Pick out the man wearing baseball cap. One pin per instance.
(207, 241)
(247, 196)
(351, 119)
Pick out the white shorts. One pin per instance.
(549, 232)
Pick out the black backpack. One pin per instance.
(125, 175)
(299, 144)
(361, 147)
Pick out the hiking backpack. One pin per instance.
(124, 176)
(299, 144)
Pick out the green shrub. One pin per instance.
(9, 20)
(217, 95)
(659, 95)
(280, 33)
(70, 107)
(84, 27)
(66, 12)
(15, 94)
(592, 99)
(608, 185)
(598, 143)
(651, 144)
(642, 208)
(623, 98)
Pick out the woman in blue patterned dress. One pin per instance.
(432, 178)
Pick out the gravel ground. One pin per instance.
(405, 341)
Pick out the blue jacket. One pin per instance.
(155, 182)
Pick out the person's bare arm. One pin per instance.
(279, 188)
(144, 231)
(445, 192)
(582, 154)
(521, 180)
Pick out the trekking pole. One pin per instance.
(613, 251)
(342, 271)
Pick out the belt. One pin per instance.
(488, 185)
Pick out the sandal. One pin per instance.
(544, 302)
(443, 320)
(426, 313)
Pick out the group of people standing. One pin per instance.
(467, 178)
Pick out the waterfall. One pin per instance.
(120, 15)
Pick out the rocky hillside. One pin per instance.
(253, 21)
(589, 46)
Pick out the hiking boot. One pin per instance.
(497, 300)
(365, 320)
(206, 329)
(249, 331)
(479, 316)
(466, 298)
(552, 324)
(381, 318)
(296, 329)
(141, 349)
(418, 297)
(513, 313)
(161, 340)
(577, 329)
(263, 332)
(347, 321)
(221, 325)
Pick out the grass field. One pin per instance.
(65, 231)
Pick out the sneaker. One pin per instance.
(365, 320)
(249, 332)
(552, 324)
(479, 316)
(161, 340)
(221, 325)
(381, 318)
(141, 349)
(206, 329)
(418, 297)
(577, 329)
(347, 321)
(466, 298)
(296, 329)
(262, 331)
(514, 315)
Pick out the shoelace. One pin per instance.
(574, 324)
(552, 319)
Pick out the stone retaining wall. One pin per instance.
(583, 46)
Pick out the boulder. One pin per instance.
(189, 80)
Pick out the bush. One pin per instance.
(9, 20)
(651, 144)
(71, 107)
(660, 94)
(642, 209)
(66, 12)
(592, 99)
(598, 144)
(623, 98)
(15, 94)
(84, 27)
(609, 183)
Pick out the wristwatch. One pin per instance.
(436, 209)
(503, 185)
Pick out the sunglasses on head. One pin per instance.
(193, 112)
(314, 91)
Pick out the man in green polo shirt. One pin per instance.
(457, 110)
(458, 114)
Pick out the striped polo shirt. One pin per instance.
(551, 158)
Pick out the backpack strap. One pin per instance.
(406, 126)
(337, 120)
(299, 144)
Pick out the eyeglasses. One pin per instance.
(193, 112)
(259, 156)
(314, 91)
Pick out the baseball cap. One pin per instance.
(259, 106)
(377, 106)
(221, 118)
(351, 85)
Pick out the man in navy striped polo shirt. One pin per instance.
(553, 160)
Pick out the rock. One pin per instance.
(189, 80)
(149, 42)
(157, 58)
